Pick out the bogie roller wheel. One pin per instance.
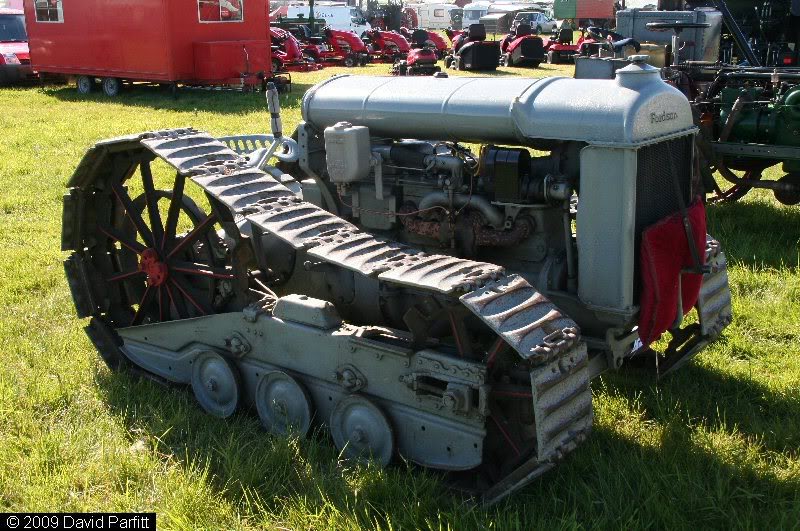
(283, 404)
(84, 84)
(215, 382)
(361, 431)
(111, 86)
(789, 197)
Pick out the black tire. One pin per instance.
(535, 64)
(111, 86)
(349, 61)
(84, 84)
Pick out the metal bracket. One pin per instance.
(350, 378)
(237, 344)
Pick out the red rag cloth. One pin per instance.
(663, 254)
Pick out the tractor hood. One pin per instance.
(636, 108)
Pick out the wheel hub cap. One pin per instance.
(157, 271)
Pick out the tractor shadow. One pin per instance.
(758, 233)
(188, 99)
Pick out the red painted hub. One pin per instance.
(156, 270)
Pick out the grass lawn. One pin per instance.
(715, 445)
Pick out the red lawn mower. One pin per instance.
(287, 53)
(421, 59)
(471, 50)
(335, 46)
(560, 47)
(388, 46)
(433, 40)
(522, 48)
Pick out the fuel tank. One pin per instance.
(634, 108)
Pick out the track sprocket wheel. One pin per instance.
(157, 253)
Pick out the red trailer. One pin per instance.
(197, 42)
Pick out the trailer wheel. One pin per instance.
(111, 86)
(84, 84)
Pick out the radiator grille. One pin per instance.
(656, 197)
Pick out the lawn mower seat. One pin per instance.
(523, 30)
(477, 53)
(476, 33)
(565, 36)
(419, 38)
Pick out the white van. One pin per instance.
(437, 16)
(338, 16)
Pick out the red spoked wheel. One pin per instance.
(158, 253)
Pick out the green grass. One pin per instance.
(714, 446)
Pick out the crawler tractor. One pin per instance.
(418, 299)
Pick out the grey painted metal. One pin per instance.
(524, 318)
(257, 148)
(608, 192)
(215, 383)
(512, 111)
(428, 433)
(702, 43)
(562, 404)
(307, 310)
(361, 430)
(714, 302)
(283, 404)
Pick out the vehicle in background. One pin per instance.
(438, 16)
(472, 13)
(171, 42)
(585, 12)
(539, 22)
(338, 16)
(15, 61)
